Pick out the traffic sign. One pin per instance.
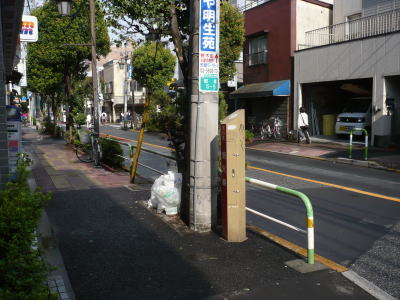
(209, 46)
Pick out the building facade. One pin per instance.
(274, 30)
(358, 56)
(118, 85)
(10, 25)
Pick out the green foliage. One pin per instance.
(110, 150)
(51, 129)
(153, 65)
(248, 135)
(52, 59)
(48, 126)
(223, 106)
(145, 14)
(34, 121)
(80, 118)
(231, 40)
(59, 132)
(22, 273)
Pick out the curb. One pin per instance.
(367, 286)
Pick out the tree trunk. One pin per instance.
(54, 110)
(177, 40)
(68, 91)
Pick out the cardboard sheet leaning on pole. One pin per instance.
(204, 114)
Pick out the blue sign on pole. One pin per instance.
(209, 46)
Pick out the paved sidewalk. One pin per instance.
(114, 247)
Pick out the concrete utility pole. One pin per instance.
(94, 70)
(203, 139)
(125, 61)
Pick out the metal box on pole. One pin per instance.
(233, 204)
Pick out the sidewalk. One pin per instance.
(114, 247)
(323, 149)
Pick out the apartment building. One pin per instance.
(274, 29)
(118, 85)
(356, 57)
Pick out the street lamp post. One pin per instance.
(64, 8)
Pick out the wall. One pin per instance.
(273, 17)
(344, 8)
(309, 17)
(368, 58)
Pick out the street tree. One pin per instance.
(57, 51)
(153, 65)
(231, 41)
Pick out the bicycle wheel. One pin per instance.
(84, 156)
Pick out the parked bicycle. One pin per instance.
(271, 128)
(89, 149)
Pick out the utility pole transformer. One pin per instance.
(203, 114)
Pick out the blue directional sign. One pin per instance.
(209, 46)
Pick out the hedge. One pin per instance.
(23, 275)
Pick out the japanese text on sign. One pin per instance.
(209, 46)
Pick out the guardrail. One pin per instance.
(366, 142)
(306, 201)
(307, 204)
(132, 146)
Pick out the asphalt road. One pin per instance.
(349, 216)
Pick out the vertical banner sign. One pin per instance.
(209, 46)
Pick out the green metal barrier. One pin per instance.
(366, 142)
(307, 204)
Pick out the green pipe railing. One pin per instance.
(351, 142)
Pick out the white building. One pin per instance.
(358, 56)
(118, 86)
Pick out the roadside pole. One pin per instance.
(94, 72)
(204, 114)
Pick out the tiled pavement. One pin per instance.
(56, 168)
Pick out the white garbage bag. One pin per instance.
(166, 193)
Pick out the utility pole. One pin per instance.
(94, 71)
(125, 60)
(203, 131)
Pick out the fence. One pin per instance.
(357, 29)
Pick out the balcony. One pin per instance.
(353, 30)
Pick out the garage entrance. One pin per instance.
(392, 85)
(337, 106)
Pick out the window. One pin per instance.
(109, 87)
(258, 50)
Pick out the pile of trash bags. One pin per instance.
(166, 193)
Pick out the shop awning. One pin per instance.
(263, 89)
